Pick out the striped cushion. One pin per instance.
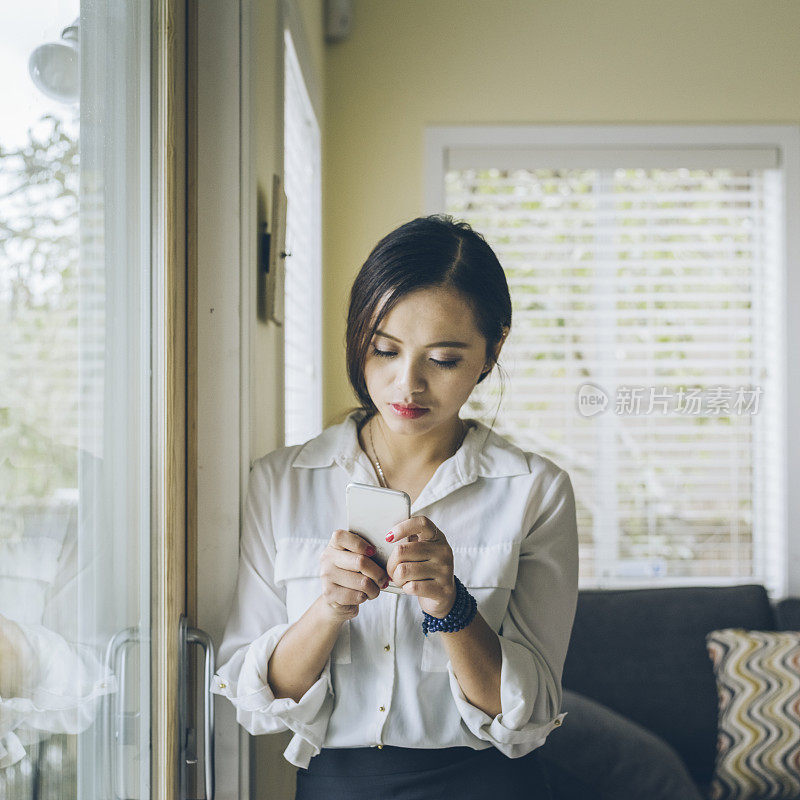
(758, 741)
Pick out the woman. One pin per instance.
(451, 686)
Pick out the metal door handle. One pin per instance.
(190, 636)
(118, 725)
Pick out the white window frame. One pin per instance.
(598, 142)
(293, 25)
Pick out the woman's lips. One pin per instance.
(408, 413)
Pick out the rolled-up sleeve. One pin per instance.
(256, 623)
(535, 631)
(65, 684)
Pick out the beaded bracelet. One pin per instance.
(461, 614)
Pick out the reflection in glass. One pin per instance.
(74, 406)
(55, 66)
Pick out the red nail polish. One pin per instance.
(390, 537)
(370, 551)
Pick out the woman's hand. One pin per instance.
(422, 563)
(349, 575)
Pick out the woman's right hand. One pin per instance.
(349, 575)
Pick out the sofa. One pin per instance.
(640, 691)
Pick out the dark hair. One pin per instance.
(427, 252)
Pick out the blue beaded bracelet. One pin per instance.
(461, 614)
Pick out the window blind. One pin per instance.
(645, 356)
(302, 286)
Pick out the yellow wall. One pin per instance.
(409, 63)
(312, 15)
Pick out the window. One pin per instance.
(647, 348)
(302, 303)
(81, 384)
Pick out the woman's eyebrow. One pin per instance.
(432, 344)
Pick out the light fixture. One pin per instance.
(55, 67)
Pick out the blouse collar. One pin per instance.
(483, 453)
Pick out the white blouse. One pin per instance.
(509, 517)
(39, 592)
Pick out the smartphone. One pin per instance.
(372, 511)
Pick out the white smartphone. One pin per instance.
(372, 511)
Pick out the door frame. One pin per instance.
(196, 102)
(168, 386)
(221, 230)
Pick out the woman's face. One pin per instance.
(427, 352)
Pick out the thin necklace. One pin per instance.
(382, 477)
(377, 460)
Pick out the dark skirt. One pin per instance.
(400, 773)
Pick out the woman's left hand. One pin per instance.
(422, 563)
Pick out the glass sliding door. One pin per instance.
(75, 400)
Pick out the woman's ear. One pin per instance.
(498, 347)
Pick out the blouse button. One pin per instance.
(222, 685)
(387, 647)
(380, 747)
(557, 722)
(381, 709)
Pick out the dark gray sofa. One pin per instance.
(640, 690)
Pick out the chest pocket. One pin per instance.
(297, 567)
(489, 573)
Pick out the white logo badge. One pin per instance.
(591, 400)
